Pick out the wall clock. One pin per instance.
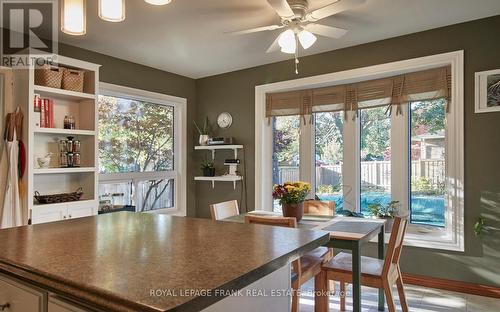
(225, 120)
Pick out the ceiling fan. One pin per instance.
(300, 25)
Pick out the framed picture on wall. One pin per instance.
(488, 91)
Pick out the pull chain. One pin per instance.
(296, 56)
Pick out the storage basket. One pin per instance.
(49, 76)
(59, 198)
(72, 79)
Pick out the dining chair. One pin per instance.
(304, 268)
(376, 273)
(224, 210)
(319, 207)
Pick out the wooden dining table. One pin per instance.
(346, 233)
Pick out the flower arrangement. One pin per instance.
(291, 192)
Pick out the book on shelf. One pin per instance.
(44, 112)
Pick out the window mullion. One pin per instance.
(400, 159)
(351, 163)
(307, 155)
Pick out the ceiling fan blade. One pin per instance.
(332, 9)
(254, 30)
(275, 46)
(282, 8)
(327, 31)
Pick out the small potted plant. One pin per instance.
(291, 196)
(208, 168)
(388, 212)
(203, 131)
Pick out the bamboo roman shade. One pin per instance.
(395, 91)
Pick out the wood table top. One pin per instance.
(339, 227)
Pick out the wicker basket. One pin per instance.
(72, 80)
(59, 198)
(49, 76)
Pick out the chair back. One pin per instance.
(276, 221)
(318, 207)
(224, 210)
(289, 222)
(395, 243)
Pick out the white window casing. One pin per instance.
(179, 173)
(451, 237)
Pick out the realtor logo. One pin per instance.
(26, 26)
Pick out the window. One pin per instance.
(375, 157)
(428, 162)
(141, 144)
(329, 147)
(286, 159)
(412, 154)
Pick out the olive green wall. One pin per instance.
(120, 72)
(234, 92)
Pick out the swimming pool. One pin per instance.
(425, 209)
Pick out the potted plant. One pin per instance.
(208, 168)
(388, 212)
(203, 131)
(291, 196)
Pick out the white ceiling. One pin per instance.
(187, 36)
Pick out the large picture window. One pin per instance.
(396, 138)
(140, 161)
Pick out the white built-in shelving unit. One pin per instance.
(224, 178)
(40, 141)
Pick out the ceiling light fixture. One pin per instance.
(307, 39)
(112, 10)
(287, 42)
(73, 19)
(158, 2)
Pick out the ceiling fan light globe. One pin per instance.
(287, 40)
(307, 39)
(158, 2)
(289, 50)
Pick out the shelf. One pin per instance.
(63, 94)
(226, 178)
(81, 201)
(218, 147)
(64, 170)
(213, 148)
(67, 132)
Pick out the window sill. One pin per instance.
(428, 237)
(168, 211)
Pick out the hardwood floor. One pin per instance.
(420, 299)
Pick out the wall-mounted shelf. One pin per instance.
(63, 94)
(226, 178)
(67, 132)
(213, 148)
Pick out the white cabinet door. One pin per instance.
(16, 297)
(80, 210)
(48, 213)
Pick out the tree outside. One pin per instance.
(137, 136)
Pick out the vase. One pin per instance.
(203, 139)
(209, 172)
(293, 210)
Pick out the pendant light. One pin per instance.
(158, 2)
(112, 10)
(73, 19)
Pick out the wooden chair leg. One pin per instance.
(320, 292)
(401, 291)
(295, 296)
(342, 295)
(389, 297)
